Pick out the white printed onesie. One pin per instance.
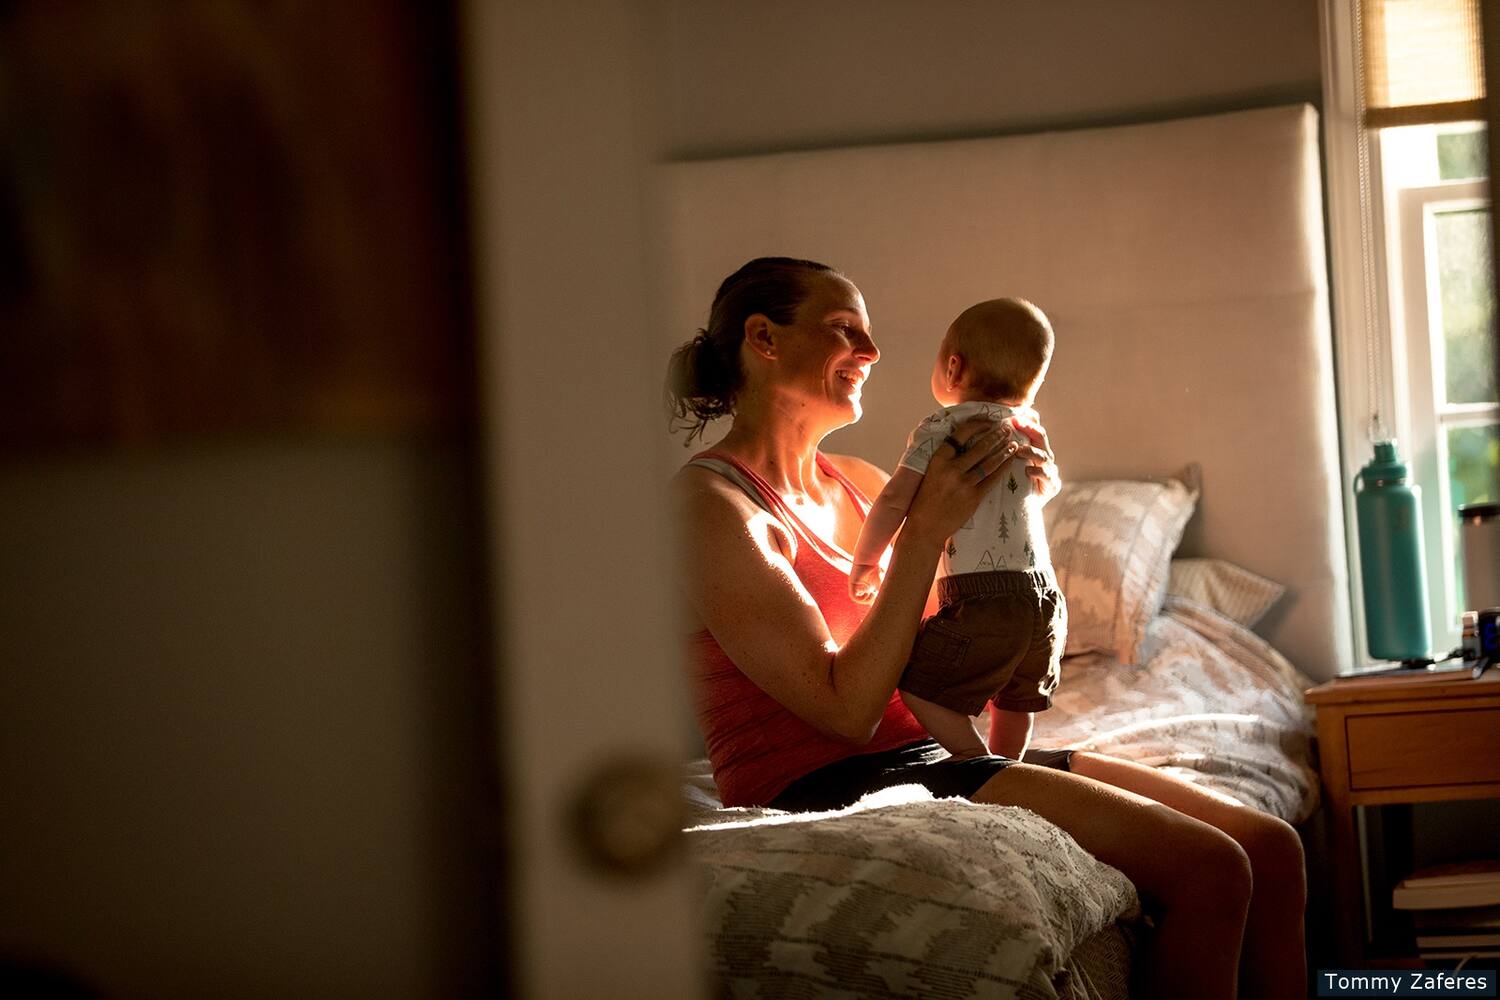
(1006, 532)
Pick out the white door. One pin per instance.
(590, 711)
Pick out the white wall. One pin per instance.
(241, 748)
(731, 78)
(783, 74)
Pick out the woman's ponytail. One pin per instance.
(704, 376)
(703, 379)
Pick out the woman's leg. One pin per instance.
(1193, 879)
(1274, 964)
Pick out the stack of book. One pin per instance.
(1455, 909)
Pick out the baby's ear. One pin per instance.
(955, 369)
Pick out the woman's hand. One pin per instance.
(1041, 464)
(960, 473)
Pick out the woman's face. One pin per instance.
(826, 352)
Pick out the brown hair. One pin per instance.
(704, 375)
(1005, 344)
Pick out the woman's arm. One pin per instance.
(741, 586)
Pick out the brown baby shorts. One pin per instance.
(998, 637)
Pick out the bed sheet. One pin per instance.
(1213, 703)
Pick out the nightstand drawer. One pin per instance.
(1403, 749)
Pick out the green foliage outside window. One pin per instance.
(1468, 304)
(1466, 285)
(1463, 155)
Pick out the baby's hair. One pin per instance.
(704, 376)
(1005, 344)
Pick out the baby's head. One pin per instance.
(996, 351)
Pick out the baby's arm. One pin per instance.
(886, 515)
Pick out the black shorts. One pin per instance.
(925, 763)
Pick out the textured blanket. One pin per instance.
(899, 895)
(1213, 704)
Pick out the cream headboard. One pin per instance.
(1181, 263)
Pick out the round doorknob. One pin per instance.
(627, 817)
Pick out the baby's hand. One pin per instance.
(864, 582)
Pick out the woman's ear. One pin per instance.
(759, 335)
(954, 372)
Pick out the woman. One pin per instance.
(795, 683)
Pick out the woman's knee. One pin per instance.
(1208, 864)
(1275, 853)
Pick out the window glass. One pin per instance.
(1473, 471)
(1473, 459)
(1466, 288)
(1419, 155)
(1462, 155)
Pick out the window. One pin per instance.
(1441, 285)
(1411, 248)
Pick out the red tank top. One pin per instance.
(756, 746)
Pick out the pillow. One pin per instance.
(1112, 543)
(1231, 590)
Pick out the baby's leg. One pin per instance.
(954, 730)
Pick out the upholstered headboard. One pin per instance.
(1182, 264)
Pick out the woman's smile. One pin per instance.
(853, 378)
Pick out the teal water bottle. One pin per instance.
(1388, 509)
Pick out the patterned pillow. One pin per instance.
(1230, 589)
(1112, 543)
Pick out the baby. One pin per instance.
(999, 633)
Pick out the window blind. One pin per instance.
(1423, 61)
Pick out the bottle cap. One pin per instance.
(1386, 466)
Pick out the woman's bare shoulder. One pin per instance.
(718, 519)
(870, 478)
(693, 488)
(708, 502)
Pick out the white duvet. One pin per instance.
(1213, 704)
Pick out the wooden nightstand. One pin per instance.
(1386, 740)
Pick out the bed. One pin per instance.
(1199, 537)
(893, 892)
